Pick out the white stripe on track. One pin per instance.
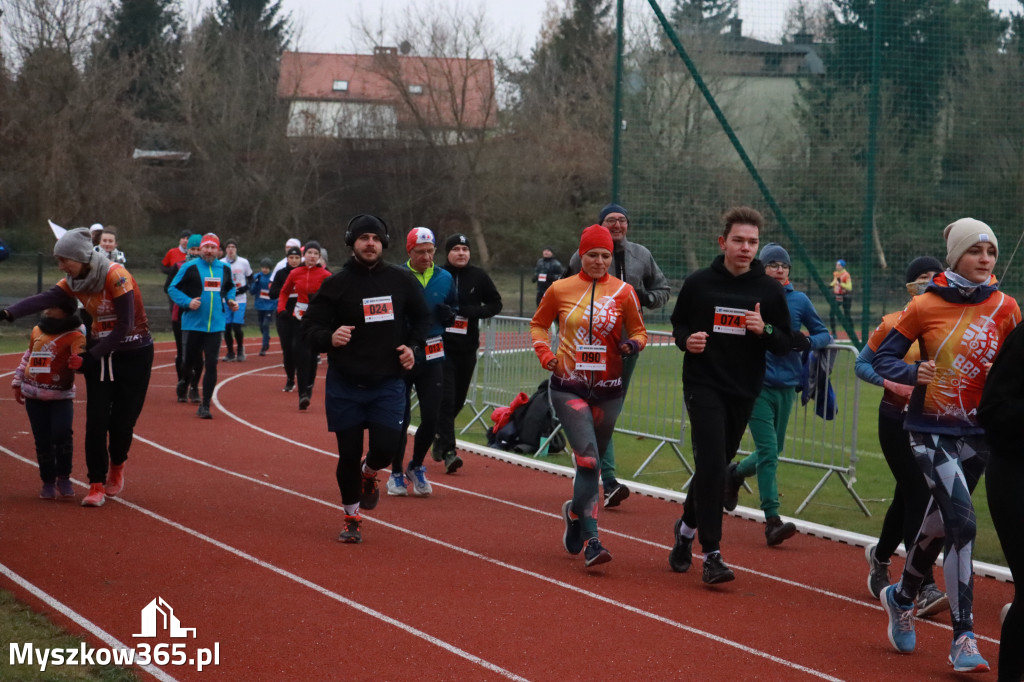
(451, 648)
(69, 613)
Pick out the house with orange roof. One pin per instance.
(388, 96)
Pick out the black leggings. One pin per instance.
(304, 360)
(1005, 503)
(350, 453)
(717, 423)
(287, 329)
(201, 349)
(428, 378)
(458, 373)
(115, 392)
(233, 333)
(910, 499)
(179, 351)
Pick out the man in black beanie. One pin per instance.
(476, 298)
(633, 264)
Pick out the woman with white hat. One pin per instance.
(959, 324)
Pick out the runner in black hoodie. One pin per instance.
(477, 299)
(725, 318)
(371, 319)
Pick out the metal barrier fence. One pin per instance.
(654, 408)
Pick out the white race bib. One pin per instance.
(300, 310)
(39, 362)
(459, 326)
(592, 357)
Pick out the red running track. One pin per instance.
(233, 522)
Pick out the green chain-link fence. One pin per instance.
(859, 134)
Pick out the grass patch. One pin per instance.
(19, 624)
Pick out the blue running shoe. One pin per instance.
(595, 554)
(901, 621)
(572, 539)
(418, 476)
(964, 656)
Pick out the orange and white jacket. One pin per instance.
(594, 318)
(44, 372)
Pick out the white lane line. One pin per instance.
(78, 618)
(451, 648)
(487, 559)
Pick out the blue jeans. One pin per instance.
(51, 422)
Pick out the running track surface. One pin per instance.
(233, 522)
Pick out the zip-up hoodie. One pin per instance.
(476, 298)
(438, 289)
(304, 281)
(960, 331)
(212, 284)
(733, 360)
(589, 312)
(43, 373)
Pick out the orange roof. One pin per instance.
(456, 93)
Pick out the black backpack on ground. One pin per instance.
(535, 421)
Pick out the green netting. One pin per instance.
(865, 128)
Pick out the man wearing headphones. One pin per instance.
(371, 319)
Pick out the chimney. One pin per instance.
(736, 27)
(385, 56)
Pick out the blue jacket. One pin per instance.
(439, 292)
(784, 371)
(212, 284)
(261, 286)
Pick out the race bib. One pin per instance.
(459, 326)
(379, 309)
(593, 357)
(542, 277)
(104, 325)
(265, 295)
(730, 321)
(300, 310)
(39, 363)
(435, 348)
(211, 284)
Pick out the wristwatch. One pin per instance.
(768, 329)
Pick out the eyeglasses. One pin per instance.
(612, 221)
(775, 265)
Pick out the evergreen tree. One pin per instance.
(146, 36)
(701, 16)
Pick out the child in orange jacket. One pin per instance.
(44, 383)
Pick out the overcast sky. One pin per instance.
(326, 25)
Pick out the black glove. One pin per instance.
(445, 314)
(801, 342)
(5, 316)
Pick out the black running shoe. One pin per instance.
(681, 556)
(572, 538)
(303, 402)
(715, 570)
(204, 412)
(352, 535)
(733, 483)
(614, 493)
(452, 462)
(775, 531)
(595, 554)
(193, 395)
(182, 391)
(289, 387)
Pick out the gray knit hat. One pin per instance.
(774, 253)
(75, 245)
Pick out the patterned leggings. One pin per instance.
(952, 466)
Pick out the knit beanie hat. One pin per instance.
(293, 251)
(75, 245)
(611, 208)
(292, 242)
(595, 237)
(210, 238)
(194, 240)
(266, 263)
(963, 234)
(418, 235)
(921, 265)
(312, 244)
(457, 239)
(841, 263)
(95, 227)
(231, 242)
(774, 253)
(185, 234)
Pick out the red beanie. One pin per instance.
(595, 237)
(210, 238)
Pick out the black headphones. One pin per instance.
(351, 235)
